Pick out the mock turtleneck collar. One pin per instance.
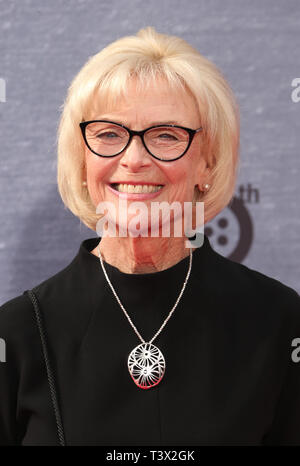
(148, 297)
(173, 276)
(89, 244)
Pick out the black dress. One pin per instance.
(229, 380)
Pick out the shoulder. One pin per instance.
(254, 291)
(240, 276)
(17, 314)
(18, 331)
(61, 299)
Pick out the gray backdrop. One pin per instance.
(44, 44)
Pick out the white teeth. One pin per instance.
(139, 188)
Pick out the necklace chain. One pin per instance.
(124, 310)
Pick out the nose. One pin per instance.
(135, 155)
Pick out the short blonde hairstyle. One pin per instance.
(103, 79)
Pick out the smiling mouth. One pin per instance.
(136, 188)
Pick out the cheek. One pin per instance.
(182, 175)
(96, 168)
(94, 173)
(97, 171)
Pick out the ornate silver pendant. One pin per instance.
(146, 365)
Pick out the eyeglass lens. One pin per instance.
(165, 142)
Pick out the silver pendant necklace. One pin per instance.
(146, 363)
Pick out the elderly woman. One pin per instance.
(150, 339)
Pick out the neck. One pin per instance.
(142, 254)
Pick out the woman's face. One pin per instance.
(157, 105)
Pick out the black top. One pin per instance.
(229, 380)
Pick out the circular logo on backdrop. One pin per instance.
(231, 232)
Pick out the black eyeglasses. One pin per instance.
(163, 142)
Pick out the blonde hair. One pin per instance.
(103, 79)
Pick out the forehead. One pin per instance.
(137, 100)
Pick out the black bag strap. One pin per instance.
(51, 379)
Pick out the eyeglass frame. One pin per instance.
(191, 133)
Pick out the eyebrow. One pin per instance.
(152, 123)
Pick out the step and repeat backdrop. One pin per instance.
(42, 47)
